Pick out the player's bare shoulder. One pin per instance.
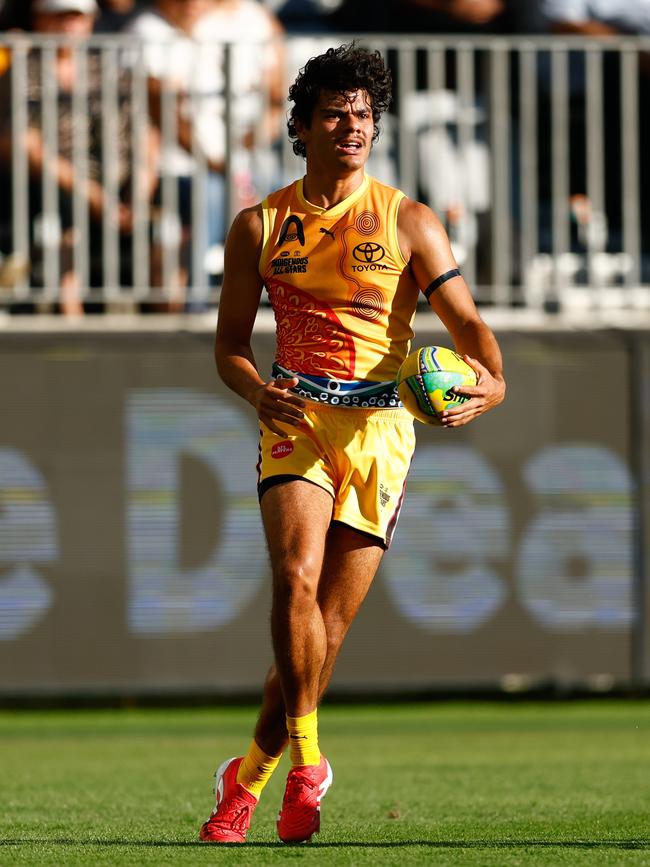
(241, 277)
(418, 228)
(246, 232)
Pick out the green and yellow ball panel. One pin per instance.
(425, 380)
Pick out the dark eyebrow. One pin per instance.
(333, 109)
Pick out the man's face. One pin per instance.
(341, 131)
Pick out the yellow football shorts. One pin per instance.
(360, 456)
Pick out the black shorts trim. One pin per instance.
(377, 539)
(272, 481)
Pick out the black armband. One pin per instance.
(431, 288)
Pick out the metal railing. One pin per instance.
(533, 152)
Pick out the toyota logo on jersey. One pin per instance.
(368, 252)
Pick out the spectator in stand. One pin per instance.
(14, 16)
(597, 17)
(452, 16)
(114, 15)
(606, 18)
(183, 54)
(428, 16)
(73, 19)
(305, 16)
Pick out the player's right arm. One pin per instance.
(238, 303)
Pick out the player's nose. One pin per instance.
(351, 121)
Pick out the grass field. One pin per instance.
(439, 783)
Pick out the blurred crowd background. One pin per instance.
(588, 17)
(348, 16)
(132, 131)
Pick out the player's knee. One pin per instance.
(295, 583)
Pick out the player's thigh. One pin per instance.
(350, 563)
(373, 470)
(296, 516)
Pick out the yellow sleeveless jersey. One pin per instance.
(342, 293)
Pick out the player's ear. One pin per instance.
(301, 128)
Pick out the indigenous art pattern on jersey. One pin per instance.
(342, 293)
(310, 334)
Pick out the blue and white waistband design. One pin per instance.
(342, 392)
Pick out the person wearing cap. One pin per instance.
(107, 15)
(55, 154)
(78, 16)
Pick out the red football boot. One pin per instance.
(231, 817)
(299, 817)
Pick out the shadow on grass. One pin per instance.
(342, 844)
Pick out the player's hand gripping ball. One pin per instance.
(426, 378)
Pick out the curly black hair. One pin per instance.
(341, 70)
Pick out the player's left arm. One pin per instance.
(425, 245)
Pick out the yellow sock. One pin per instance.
(256, 769)
(303, 739)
